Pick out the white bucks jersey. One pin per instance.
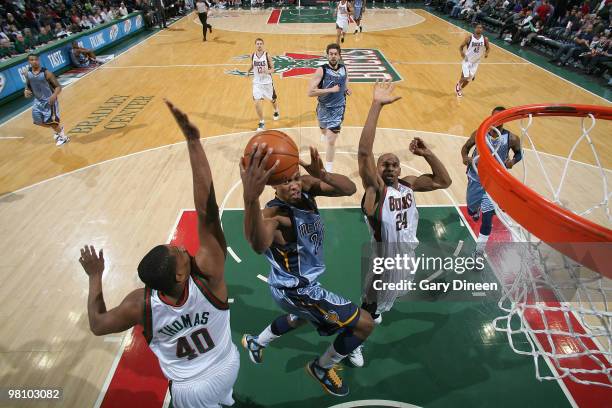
(343, 15)
(260, 67)
(189, 339)
(475, 49)
(396, 218)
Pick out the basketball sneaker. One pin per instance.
(458, 90)
(377, 318)
(261, 127)
(328, 378)
(61, 140)
(342, 39)
(360, 29)
(254, 349)
(356, 31)
(356, 356)
(276, 116)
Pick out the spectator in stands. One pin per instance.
(511, 23)
(29, 39)
(544, 11)
(19, 44)
(59, 31)
(600, 52)
(532, 31)
(6, 50)
(580, 44)
(123, 11)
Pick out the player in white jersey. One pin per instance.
(477, 47)
(263, 87)
(342, 13)
(183, 306)
(389, 202)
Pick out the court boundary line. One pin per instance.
(215, 137)
(524, 59)
(94, 70)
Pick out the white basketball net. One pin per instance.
(555, 309)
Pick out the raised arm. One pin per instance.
(319, 182)
(439, 177)
(127, 314)
(57, 88)
(383, 95)
(210, 257)
(258, 231)
(313, 87)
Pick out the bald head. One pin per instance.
(389, 168)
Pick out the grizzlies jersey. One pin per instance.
(41, 88)
(501, 145)
(298, 264)
(333, 77)
(475, 49)
(396, 217)
(191, 338)
(260, 65)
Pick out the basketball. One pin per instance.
(285, 150)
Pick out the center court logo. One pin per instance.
(363, 65)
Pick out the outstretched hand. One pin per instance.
(383, 93)
(190, 131)
(255, 176)
(315, 168)
(418, 147)
(92, 263)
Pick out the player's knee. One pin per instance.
(365, 326)
(295, 323)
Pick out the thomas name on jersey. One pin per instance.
(185, 322)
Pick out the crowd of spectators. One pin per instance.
(28, 24)
(571, 32)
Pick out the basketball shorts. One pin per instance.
(477, 198)
(44, 113)
(468, 69)
(264, 91)
(211, 390)
(330, 117)
(357, 13)
(327, 311)
(342, 24)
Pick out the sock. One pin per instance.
(481, 242)
(329, 166)
(266, 336)
(330, 357)
(346, 342)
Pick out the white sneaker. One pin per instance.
(61, 140)
(260, 127)
(378, 319)
(276, 116)
(356, 357)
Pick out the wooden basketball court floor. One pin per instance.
(123, 183)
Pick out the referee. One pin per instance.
(202, 8)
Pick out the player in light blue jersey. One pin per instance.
(329, 85)
(290, 232)
(358, 9)
(478, 201)
(43, 85)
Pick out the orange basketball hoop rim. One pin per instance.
(549, 222)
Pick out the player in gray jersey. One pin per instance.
(330, 86)
(358, 9)
(478, 201)
(43, 85)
